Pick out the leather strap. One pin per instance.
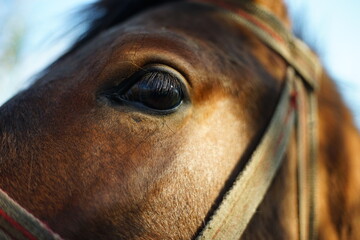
(306, 132)
(301, 139)
(241, 201)
(18, 224)
(275, 35)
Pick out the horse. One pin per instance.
(145, 128)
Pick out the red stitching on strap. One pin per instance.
(294, 99)
(247, 16)
(259, 24)
(16, 225)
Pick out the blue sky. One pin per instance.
(333, 25)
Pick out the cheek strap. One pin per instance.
(248, 190)
(296, 109)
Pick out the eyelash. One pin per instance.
(152, 89)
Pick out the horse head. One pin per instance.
(140, 129)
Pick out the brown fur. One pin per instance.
(92, 170)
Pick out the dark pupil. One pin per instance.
(157, 90)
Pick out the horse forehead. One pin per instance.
(172, 33)
(191, 21)
(212, 58)
(232, 48)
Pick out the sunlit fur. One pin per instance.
(94, 170)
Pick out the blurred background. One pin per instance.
(34, 33)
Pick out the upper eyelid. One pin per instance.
(116, 91)
(157, 76)
(165, 69)
(127, 84)
(159, 80)
(184, 83)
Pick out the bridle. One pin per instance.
(296, 109)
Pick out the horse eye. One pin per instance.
(156, 90)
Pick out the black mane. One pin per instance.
(104, 14)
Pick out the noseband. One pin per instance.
(296, 109)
